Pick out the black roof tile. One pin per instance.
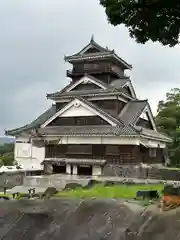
(101, 130)
(132, 111)
(152, 133)
(34, 124)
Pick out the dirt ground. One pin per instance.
(85, 220)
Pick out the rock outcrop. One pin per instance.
(85, 220)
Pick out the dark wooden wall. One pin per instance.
(114, 154)
(145, 157)
(99, 69)
(127, 91)
(113, 106)
(144, 123)
(78, 121)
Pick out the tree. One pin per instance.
(168, 121)
(7, 154)
(6, 148)
(7, 159)
(156, 20)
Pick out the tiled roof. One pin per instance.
(124, 125)
(132, 110)
(114, 87)
(118, 83)
(50, 112)
(152, 133)
(34, 124)
(90, 93)
(92, 44)
(99, 130)
(101, 53)
(49, 95)
(96, 56)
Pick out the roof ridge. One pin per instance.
(92, 42)
(71, 83)
(95, 79)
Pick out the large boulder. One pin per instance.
(72, 186)
(171, 190)
(50, 191)
(72, 219)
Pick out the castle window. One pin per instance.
(152, 152)
(90, 66)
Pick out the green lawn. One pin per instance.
(6, 195)
(173, 168)
(117, 191)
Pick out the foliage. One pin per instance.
(6, 148)
(7, 159)
(7, 154)
(115, 191)
(168, 121)
(156, 20)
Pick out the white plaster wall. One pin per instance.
(77, 111)
(28, 156)
(98, 140)
(144, 116)
(96, 171)
(107, 140)
(153, 143)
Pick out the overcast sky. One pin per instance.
(36, 34)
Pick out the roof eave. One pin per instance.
(77, 58)
(165, 139)
(57, 97)
(92, 43)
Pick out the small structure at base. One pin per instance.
(171, 198)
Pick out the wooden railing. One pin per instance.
(95, 69)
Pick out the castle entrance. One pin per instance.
(59, 169)
(84, 170)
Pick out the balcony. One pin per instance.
(94, 69)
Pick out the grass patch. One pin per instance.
(172, 168)
(6, 195)
(115, 191)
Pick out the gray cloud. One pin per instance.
(35, 35)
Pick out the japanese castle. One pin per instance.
(94, 122)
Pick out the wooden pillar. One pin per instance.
(74, 170)
(48, 169)
(68, 169)
(137, 155)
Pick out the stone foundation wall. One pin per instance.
(11, 179)
(128, 171)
